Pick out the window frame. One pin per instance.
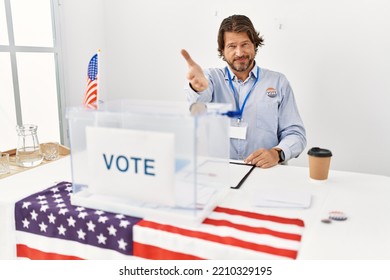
(13, 49)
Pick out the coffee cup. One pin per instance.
(319, 163)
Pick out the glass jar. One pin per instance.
(28, 152)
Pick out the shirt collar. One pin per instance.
(253, 73)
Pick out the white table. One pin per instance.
(364, 198)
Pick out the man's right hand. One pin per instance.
(195, 73)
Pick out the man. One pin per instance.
(266, 128)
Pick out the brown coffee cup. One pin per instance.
(319, 163)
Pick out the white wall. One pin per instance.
(335, 54)
(82, 28)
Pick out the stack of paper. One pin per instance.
(281, 198)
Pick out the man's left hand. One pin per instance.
(263, 158)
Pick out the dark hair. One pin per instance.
(238, 23)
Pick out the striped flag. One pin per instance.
(226, 234)
(49, 227)
(91, 94)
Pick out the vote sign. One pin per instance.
(133, 164)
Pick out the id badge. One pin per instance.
(238, 129)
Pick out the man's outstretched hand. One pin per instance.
(195, 73)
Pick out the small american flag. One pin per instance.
(48, 226)
(91, 94)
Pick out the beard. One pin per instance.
(243, 66)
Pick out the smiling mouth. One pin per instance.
(241, 60)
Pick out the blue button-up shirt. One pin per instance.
(270, 111)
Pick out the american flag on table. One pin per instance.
(91, 94)
(49, 227)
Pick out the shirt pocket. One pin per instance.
(267, 116)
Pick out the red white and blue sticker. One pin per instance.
(337, 216)
(271, 92)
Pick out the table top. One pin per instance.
(364, 198)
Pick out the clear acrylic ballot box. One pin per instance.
(150, 159)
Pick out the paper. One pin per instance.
(238, 132)
(134, 164)
(281, 198)
(188, 197)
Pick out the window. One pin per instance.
(29, 83)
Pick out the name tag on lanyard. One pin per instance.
(238, 129)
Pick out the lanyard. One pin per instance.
(239, 112)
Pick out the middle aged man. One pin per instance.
(266, 127)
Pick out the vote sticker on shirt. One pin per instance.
(271, 92)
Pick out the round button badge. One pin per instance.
(337, 216)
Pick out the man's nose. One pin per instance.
(239, 51)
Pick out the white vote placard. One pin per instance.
(134, 164)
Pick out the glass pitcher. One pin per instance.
(28, 152)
